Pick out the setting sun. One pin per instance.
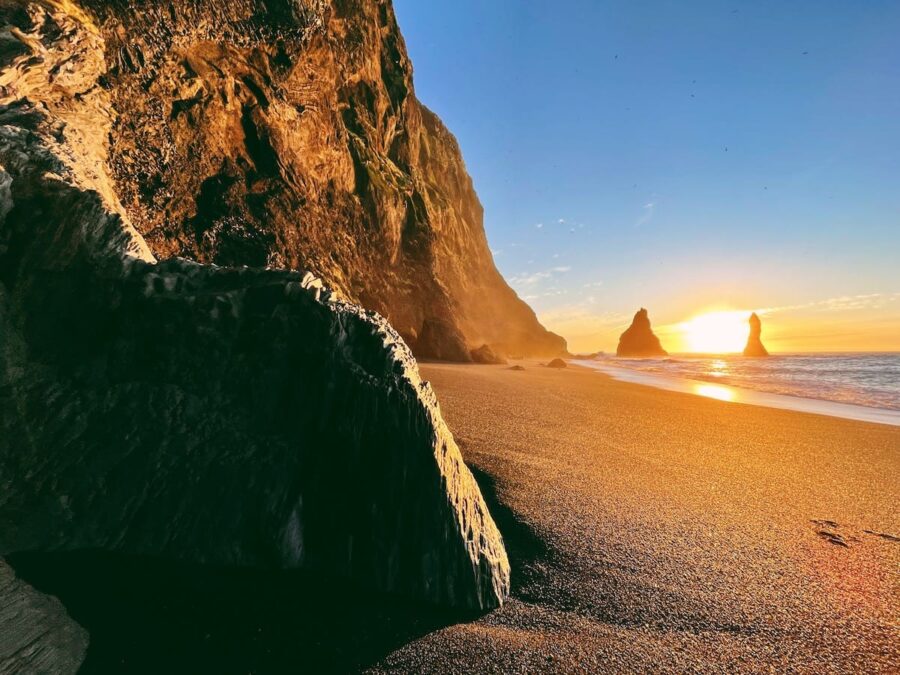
(716, 332)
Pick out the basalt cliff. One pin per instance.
(639, 340)
(164, 390)
(287, 134)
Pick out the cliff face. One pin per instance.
(755, 346)
(212, 414)
(639, 340)
(287, 134)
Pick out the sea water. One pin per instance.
(859, 385)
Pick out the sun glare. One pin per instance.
(714, 391)
(716, 332)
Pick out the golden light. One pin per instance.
(714, 391)
(716, 332)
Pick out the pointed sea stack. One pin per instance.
(754, 343)
(639, 340)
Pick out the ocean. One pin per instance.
(849, 380)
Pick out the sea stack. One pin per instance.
(754, 343)
(639, 341)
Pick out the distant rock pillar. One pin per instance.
(754, 343)
(639, 340)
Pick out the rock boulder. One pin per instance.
(36, 633)
(486, 354)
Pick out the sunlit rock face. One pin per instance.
(36, 633)
(222, 415)
(638, 340)
(754, 342)
(287, 134)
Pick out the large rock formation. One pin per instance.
(221, 415)
(286, 134)
(754, 342)
(638, 341)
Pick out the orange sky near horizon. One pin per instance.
(864, 323)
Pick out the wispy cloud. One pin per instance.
(539, 225)
(531, 279)
(840, 303)
(552, 293)
(646, 214)
(583, 325)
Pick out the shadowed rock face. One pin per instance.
(230, 416)
(486, 354)
(287, 134)
(638, 340)
(754, 342)
(442, 340)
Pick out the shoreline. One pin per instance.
(731, 393)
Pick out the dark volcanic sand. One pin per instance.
(656, 531)
(648, 531)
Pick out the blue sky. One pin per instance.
(683, 156)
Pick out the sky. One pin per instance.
(684, 157)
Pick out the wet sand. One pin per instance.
(660, 531)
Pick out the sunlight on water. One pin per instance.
(714, 391)
(718, 368)
(863, 387)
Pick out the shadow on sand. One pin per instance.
(527, 552)
(148, 615)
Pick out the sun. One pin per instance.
(716, 332)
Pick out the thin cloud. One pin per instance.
(646, 214)
(840, 303)
(553, 293)
(529, 280)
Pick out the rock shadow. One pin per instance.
(147, 615)
(530, 557)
